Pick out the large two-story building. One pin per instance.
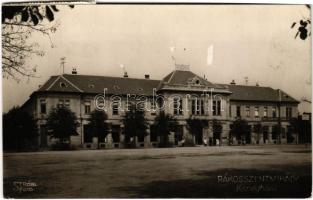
(181, 94)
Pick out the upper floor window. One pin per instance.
(238, 114)
(288, 112)
(197, 107)
(64, 102)
(43, 106)
(256, 112)
(115, 106)
(216, 107)
(274, 112)
(265, 112)
(61, 103)
(140, 105)
(178, 106)
(247, 111)
(87, 107)
(67, 103)
(152, 107)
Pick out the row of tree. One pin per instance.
(20, 130)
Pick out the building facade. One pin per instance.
(181, 94)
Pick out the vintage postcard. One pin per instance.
(122, 100)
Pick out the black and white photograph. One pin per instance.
(156, 100)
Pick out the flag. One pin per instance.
(210, 55)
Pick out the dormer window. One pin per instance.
(115, 87)
(197, 82)
(91, 85)
(139, 89)
(63, 85)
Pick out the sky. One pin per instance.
(222, 42)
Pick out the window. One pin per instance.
(152, 107)
(64, 102)
(87, 107)
(265, 112)
(256, 112)
(247, 111)
(140, 105)
(67, 103)
(216, 107)
(178, 106)
(288, 112)
(238, 111)
(115, 108)
(43, 106)
(197, 107)
(274, 112)
(63, 85)
(61, 103)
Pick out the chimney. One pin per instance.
(125, 75)
(147, 76)
(74, 71)
(233, 82)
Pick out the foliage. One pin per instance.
(195, 126)
(164, 124)
(304, 27)
(303, 128)
(240, 129)
(62, 123)
(135, 124)
(98, 123)
(19, 130)
(18, 24)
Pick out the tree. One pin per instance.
(257, 128)
(135, 125)
(304, 27)
(217, 130)
(19, 130)
(195, 127)
(240, 129)
(18, 24)
(164, 125)
(62, 124)
(302, 127)
(98, 124)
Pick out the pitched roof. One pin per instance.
(257, 93)
(181, 77)
(120, 85)
(97, 84)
